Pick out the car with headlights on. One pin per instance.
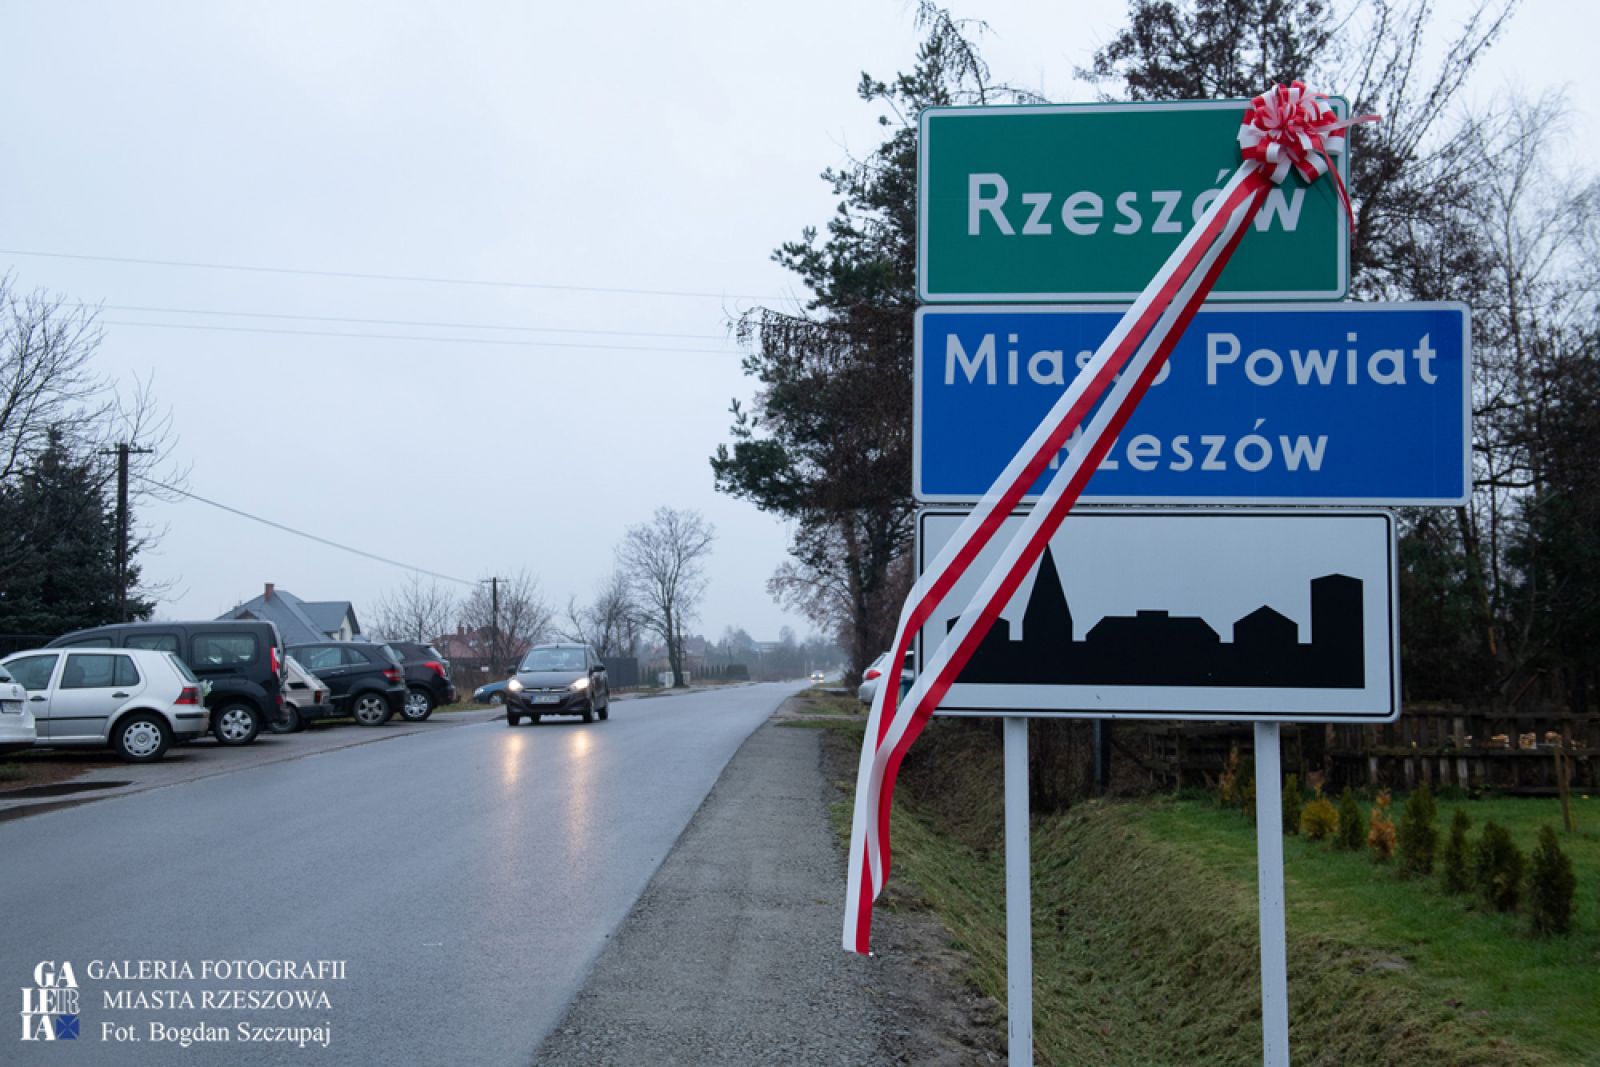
(558, 679)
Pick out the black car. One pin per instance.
(427, 679)
(558, 680)
(365, 680)
(241, 659)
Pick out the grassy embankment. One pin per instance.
(1145, 946)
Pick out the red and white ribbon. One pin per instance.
(1120, 371)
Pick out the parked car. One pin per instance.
(427, 679)
(138, 701)
(17, 729)
(558, 679)
(871, 676)
(240, 660)
(365, 680)
(305, 699)
(493, 693)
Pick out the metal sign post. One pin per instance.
(1269, 883)
(1019, 897)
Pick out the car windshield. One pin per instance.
(553, 659)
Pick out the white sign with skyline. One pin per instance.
(1200, 614)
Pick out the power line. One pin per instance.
(301, 533)
(414, 337)
(487, 282)
(396, 322)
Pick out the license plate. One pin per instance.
(11, 707)
(545, 698)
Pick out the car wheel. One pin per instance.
(370, 709)
(290, 722)
(141, 738)
(534, 718)
(588, 711)
(605, 709)
(235, 724)
(496, 699)
(512, 717)
(418, 706)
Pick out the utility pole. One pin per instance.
(494, 624)
(122, 452)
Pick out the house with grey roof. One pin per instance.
(300, 621)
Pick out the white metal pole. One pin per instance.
(1019, 897)
(1269, 879)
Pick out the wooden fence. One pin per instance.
(1518, 752)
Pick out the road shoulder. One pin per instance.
(732, 956)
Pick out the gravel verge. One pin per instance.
(732, 954)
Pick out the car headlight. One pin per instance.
(579, 686)
(514, 685)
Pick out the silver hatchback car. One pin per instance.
(138, 701)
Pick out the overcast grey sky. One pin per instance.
(652, 147)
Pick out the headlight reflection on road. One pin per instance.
(580, 814)
(511, 759)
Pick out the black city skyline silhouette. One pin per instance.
(1154, 648)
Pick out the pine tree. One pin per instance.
(1457, 858)
(58, 566)
(1352, 828)
(1551, 886)
(1419, 837)
(1292, 800)
(1497, 867)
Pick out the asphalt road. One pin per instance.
(461, 881)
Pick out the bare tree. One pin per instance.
(523, 617)
(52, 396)
(47, 380)
(416, 611)
(662, 560)
(610, 623)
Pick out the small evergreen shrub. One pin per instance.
(1551, 886)
(1352, 830)
(1381, 834)
(1319, 819)
(1456, 860)
(1419, 837)
(1292, 801)
(1497, 865)
(1228, 784)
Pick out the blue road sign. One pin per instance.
(1259, 404)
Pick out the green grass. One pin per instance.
(1540, 993)
(1145, 931)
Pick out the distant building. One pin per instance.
(300, 621)
(469, 650)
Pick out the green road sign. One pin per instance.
(1084, 202)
